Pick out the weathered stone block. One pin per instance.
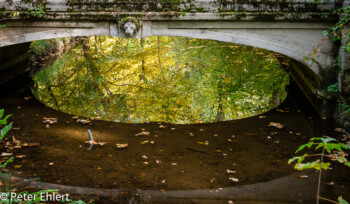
(345, 84)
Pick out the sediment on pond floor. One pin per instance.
(166, 157)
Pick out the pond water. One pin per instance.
(164, 79)
(195, 114)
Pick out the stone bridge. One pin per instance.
(293, 28)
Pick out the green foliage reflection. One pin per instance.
(169, 79)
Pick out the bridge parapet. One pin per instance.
(191, 6)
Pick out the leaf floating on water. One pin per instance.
(158, 161)
(161, 126)
(230, 171)
(33, 144)
(172, 129)
(303, 176)
(262, 116)
(174, 164)
(20, 156)
(27, 98)
(5, 154)
(49, 120)
(120, 146)
(51, 163)
(191, 134)
(215, 135)
(84, 121)
(17, 166)
(142, 133)
(233, 179)
(144, 142)
(200, 142)
(277, 125)
(218, 150)
(144, 156)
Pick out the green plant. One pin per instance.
(329, 149)
(333, 88)
(37, 12)
(3, 122)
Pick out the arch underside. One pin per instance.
(297, 41)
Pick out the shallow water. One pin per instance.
(164, 79)
(256, 151)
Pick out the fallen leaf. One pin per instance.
(174, 164)
(20, 156)
(51, 163)
(5, 154)
(191, 134)
(17, 166)
(230, 171)
(144, 142)
(142, 133)
(233, 179)
(33, 144)
(262, 116)
(121, 145)
(277, 125)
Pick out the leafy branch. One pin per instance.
(331, 150)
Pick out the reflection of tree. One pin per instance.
(162, 79)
